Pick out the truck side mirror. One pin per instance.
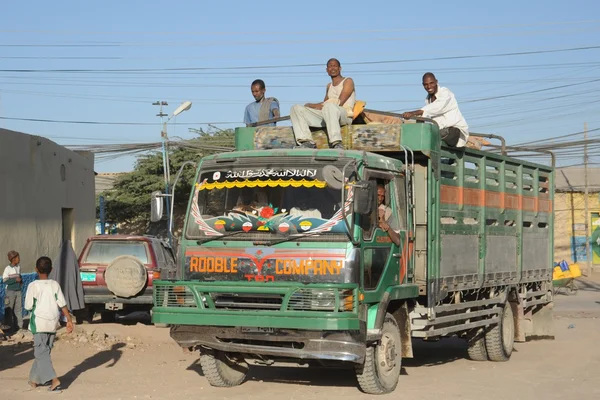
(364, 197)
(156, 207)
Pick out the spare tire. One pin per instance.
(125, 276)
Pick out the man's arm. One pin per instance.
(412, 114)
(394, 236)
(66, 313)
(275, 109)
(7, 279)
(319, 106)
(439, 106)
(29, 298)
(346, 91)
(62, 303)
(247, 116)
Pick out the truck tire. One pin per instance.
(126, 276)
(500, 340)
(221, 370)
(108, 317)
(380, 372)
(476, 347)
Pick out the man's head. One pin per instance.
(43, 265)
(258, 89)
(380, 194)
(334, 68)
(13, 257)
(430, 84)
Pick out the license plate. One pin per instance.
(88, 276)
(257, 330)
(113, 306)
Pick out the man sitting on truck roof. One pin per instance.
(441, 106)
(386, 220)
(334, 112)
(263, 108)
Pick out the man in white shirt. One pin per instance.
(441, 106)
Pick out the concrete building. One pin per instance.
(570, 218)
(46, 196)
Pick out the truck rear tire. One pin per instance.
(476, 347)
(383, 362)
(222, 370)
(500, 340)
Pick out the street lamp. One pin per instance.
(186, 105)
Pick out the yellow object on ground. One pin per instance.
(575, 270)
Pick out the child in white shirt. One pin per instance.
(44, 298)
(12, 298)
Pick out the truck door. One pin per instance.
(380, 256)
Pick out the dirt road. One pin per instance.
(112, 361)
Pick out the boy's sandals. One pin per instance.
(55, 389)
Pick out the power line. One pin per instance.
(309, 32)
(111, 123)
(473, 56)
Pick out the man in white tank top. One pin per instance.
(335, 111)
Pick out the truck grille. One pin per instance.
(174, 296)
(247, 301)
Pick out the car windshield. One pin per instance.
(104, 251)
(266, 201)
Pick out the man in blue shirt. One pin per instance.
(263, 108)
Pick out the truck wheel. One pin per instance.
(476, 347)
(108, 317)
(383, 362)
(222, 370)
(84, 316)
(500, 340)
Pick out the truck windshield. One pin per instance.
(265, 203)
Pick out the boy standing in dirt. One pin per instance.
(12, 279)
(44, 299)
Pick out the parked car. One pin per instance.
(117, 273)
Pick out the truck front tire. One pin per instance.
(222, 370)
(383, 362)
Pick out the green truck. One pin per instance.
(283, 258)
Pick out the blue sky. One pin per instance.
(122, 56)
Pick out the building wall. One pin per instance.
(38, 179)
(569, 227)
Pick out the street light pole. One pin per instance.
(186, 105)
(165, 153)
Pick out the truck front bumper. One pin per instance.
(281, 343)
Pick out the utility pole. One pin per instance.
(588, 256)
(164, 139)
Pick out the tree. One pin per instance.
(129, 199)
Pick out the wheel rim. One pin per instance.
(387, 355)
(508, 330)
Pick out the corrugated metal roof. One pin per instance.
(106, 181)
(572, 179)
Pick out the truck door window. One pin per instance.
(375, 259)
(400, 200)
(369, 222)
